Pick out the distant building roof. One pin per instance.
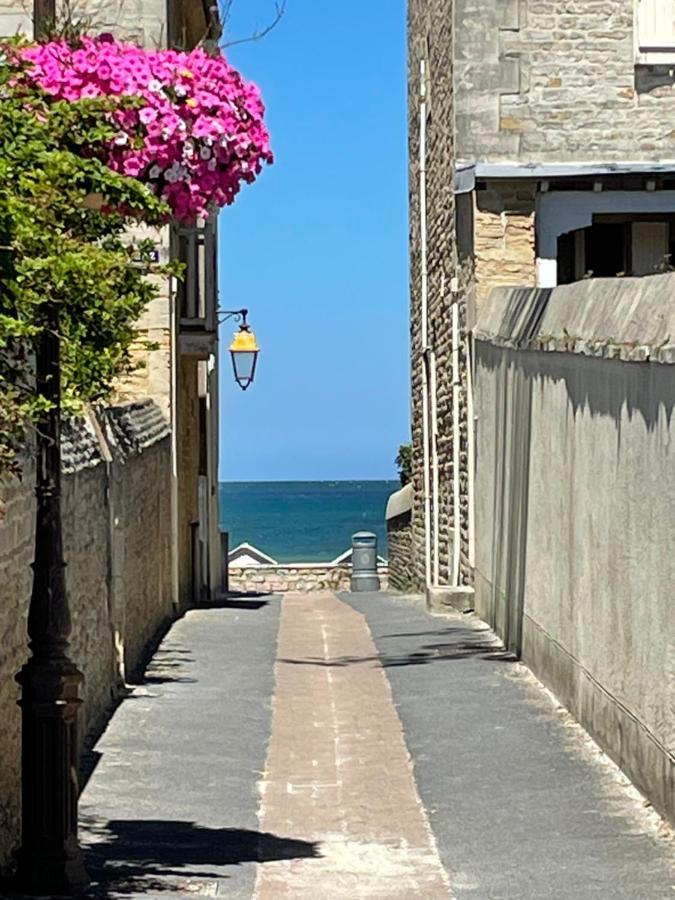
(246, 555)
(400, 502)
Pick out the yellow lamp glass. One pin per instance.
(244, 351)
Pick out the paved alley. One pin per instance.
(323, 746)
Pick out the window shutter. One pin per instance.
(656, 25)
(649, 247)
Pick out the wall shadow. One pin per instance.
(137, 856)
(454, 643)
(252, 600)
(164, 667)
(605, 387)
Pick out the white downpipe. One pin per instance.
(456, 437)
(425, 325)
(175, 362)
(471, 449)
(434, 469)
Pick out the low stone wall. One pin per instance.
(402, 575)
(575, 489)
(296, 577)
(116, 520)
(401, 567)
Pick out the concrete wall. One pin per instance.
(546, 81)
(575, 491)
(117, 546)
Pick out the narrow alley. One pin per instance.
(306, 748)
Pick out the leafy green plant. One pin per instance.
(59, 247)
(404, 463)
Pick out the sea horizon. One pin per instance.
(304, 521)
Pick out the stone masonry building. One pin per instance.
(542, 152)
(140, 478)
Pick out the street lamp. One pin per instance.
(50, 859)
(244, 348)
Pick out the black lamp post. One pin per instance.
(50, 859)
(244, 349)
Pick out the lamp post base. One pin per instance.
(50, 860)
(52, 877)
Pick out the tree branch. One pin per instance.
(226, 12)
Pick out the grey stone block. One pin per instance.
(446, 599)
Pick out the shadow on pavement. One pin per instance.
(238, 600)
(165, 667)
(131, 856)
(456, 643)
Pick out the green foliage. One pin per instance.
(404, 463)
(56, 249)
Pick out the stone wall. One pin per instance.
(296, 577)
(554, 81)
(117, 545)
(138, 20)
(400, 539)
(504, 238)
(574, 496)
(430, 40)
(140, 504)
(399, 536)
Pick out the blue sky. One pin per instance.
(316, 249)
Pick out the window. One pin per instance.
(196, 295)
(655, 31)
(636, 244)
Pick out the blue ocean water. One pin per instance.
(303, 521)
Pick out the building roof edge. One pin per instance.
(466, 173)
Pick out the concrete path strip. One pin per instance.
(338, 771)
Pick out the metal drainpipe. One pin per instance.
(425, 324)
(435, 475)
(456, 437)
(174, 363)
(471, 450)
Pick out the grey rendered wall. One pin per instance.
(554, 80)
(575, 495)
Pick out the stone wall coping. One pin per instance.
(113, 432)
(133, 427)
(631, 319)
(399, 502)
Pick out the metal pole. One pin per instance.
(50, 859)
(225, 561)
